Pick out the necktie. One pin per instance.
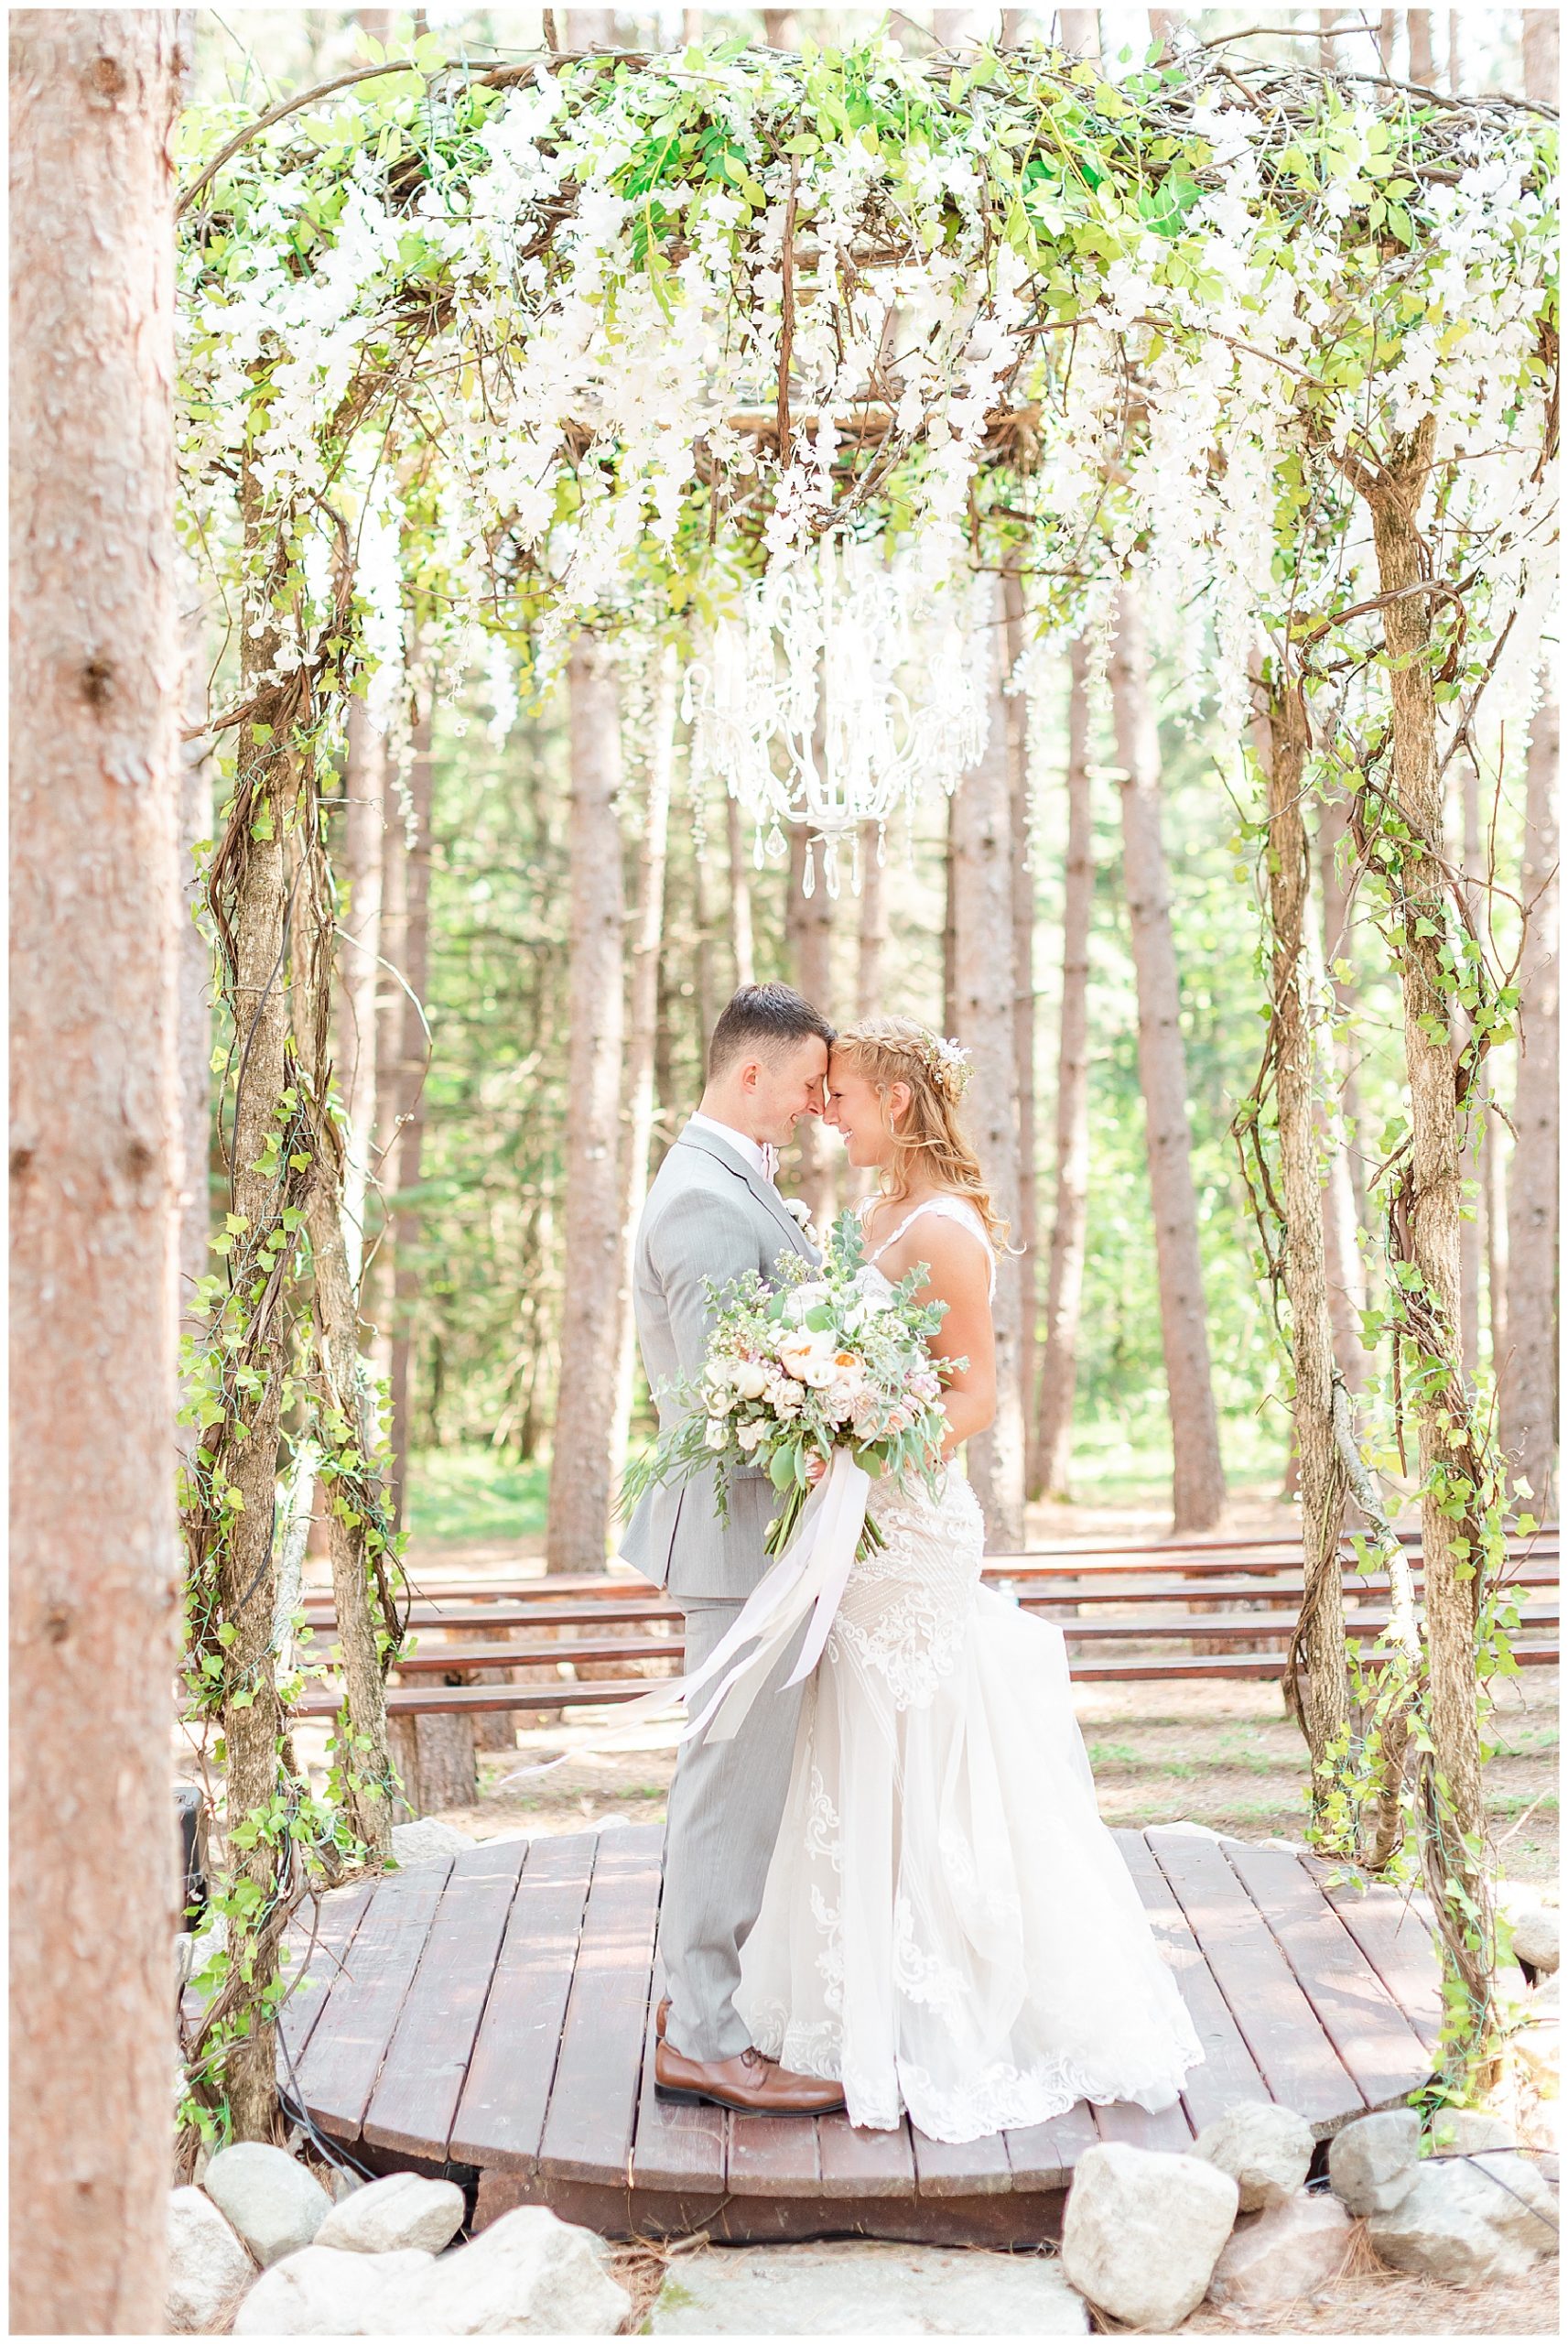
(770, 1161)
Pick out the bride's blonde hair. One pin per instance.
(895, 1050)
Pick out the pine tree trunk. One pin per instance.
(1336, 948)
(949, 927)
(578, 1527)
(1027, 1234)
(1472, 1226)
(1077, 29)
(195, 965)
(873, 937)
(1541, 28)
(1065, 1283)
(1198, 1481)
(1441, 1402)
(95, 1163)
(413, 1048)
(739, 895)
(1528, 1379)
(1418, 25)
(983, 849)
(1323, 1703)
(647, 924)
(363, 820)
(808, 923)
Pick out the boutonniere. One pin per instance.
(799, 1212)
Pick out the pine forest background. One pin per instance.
(471, 796)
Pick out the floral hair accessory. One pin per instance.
(948, 1063)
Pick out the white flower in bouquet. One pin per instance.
(809, 1357)
(800, 1369)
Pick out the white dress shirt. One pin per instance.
(757, 1153)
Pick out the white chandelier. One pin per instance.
(845, 687)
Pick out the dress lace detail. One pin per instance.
(947, 1925)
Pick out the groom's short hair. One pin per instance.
(762, 1019)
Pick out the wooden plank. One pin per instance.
(1379, 2046)
(1142, 2128)
(1229, 2072)
(421, 2079)
(317, 1944)
(501, 2111)
(1041, 2156)
(431, 1658)
(593, 2101)
(1394, 1929)
(864, 2164)
(1276, 2022)
(1273, 1591)
(961, 2169)
(774, 2157)
(675, 2147)
(343, 2059)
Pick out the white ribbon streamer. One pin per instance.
(806, 1584)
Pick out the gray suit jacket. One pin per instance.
(707, 1215)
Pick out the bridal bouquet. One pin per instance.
(820, 1363)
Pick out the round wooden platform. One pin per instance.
(490, 2019)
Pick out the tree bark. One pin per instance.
(1198, 1481)
(195, 965)
(1542, 30)
(741, 936)
(1418, 27)
(1386, 23)
(1529, 1379)
(95, 1162)
(647, 926)
(1026, 1235)
(949, 927)
(1451, 1470)
(1472, 1227)
(363, 845)
(983, 849)
(413, 1050)
(578, 1527)
(873, 939)
(1078, 30)
(1323, 1701)
(781, 28)
(1063, 1293)
(808, 923)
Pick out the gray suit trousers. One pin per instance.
(724, 1811)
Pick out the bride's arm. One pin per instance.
(959, 1277)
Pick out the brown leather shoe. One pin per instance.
(755, 2086)
(662, 2017)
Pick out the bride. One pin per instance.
(947, 1926)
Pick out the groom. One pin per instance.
(712, 1213)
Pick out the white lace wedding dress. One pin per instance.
(947, 1925)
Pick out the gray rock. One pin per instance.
(271, 2201)
(406, 2209)
(422, 1841)
(1373, 2162)
(1467, 2131)
(865, 2286)
(1143, 2231)
(1462, 2222)
(528, 2275)
(1296, 2247)
(208, 2270)
(1536, 1939)
(321, 2292)
(1266, 2150)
